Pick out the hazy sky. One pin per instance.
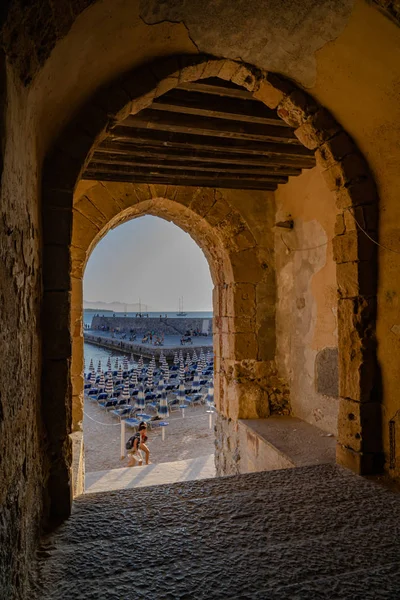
(150, 259)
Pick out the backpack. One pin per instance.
(131, 441)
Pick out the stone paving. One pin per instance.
(192, 469)
(308, 533)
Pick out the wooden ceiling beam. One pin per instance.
(185, 175)
(161, 152)
(192, 165)
(200, 142)
(206, 126)
(169, 180)
(206, 87)
(194, 103)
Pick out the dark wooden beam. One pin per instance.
(191, 165)
(194, 103)
(183, 175)
(169, 180)
(160, 152)
(206, 87)
(200, 142)
(206, 126)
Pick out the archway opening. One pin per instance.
(145, 361)
(238, 216)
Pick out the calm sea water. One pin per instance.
(88, 316)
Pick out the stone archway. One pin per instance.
(347, 176)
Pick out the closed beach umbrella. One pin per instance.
(125, 392)
(116, 364)
(181, 373)
(181, 393)
(180, 355)
(125, 363)
(91, 367)
(209, 357)
(160, 387)
(119, 375)
(165, 371)
(109, 364)
(196, 382)
(150, 378)
(176, 359)
(99, 368)
(163, 410)
(194, 357)
(109, 389)
(188, 360)
(134, 378)
(203, 362)
(140, 363)
(140, 401)
(102, 382)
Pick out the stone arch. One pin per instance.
(348, 177)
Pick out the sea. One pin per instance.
(96, 353)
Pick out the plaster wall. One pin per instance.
(306, 315)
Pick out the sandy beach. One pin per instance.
(188, 437)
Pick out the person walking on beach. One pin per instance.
(139, 444)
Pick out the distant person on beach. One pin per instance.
(139, 444)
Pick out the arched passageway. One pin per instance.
(238, 251)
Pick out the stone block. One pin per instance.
(228, 69)
(357, 349)
(353, 246)
(240, 300)
(192, 67)
(56, 267)
(335, 150)
(266, 299)
(361, 192)
(319, 128)
(327, 373)
(339, 224)
(78, 261)
(266, 338)
(268, 94)
(57, 226)
(103, 200)
(348, 170)
(357, 279)
(86, 208)
(246, 266)
(244, 240)
(245, 346)
(202, 201)
(56, 324)
(360, 425)
(218, 212)
(83, 231)
(296, 108)
(246, 78)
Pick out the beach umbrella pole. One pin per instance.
(123, 449)
(163, 433)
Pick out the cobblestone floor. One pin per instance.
(310, 533)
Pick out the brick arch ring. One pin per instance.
(347, 175)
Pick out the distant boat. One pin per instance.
(180, 312)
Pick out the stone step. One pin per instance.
(191, 469)
(311, 532)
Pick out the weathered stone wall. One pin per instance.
(307, 298)
(142, 325)
(22, 442)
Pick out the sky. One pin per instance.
(150, 259)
